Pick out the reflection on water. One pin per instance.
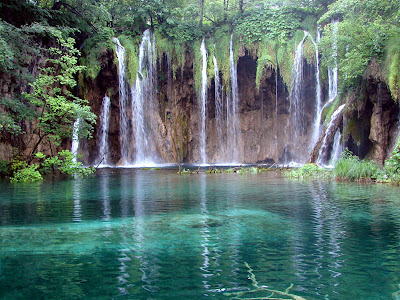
(145, 234)
(77, 213)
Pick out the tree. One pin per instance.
(57, 107)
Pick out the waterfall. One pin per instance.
(276, 104)
(75, 139)
(232, 109)
(337, 147)
(325, 143)
(318, 100)
(103, 132)
(219, 106)
(295, 123)
(123, 102)
(296, 105)
(203, 99)
(143, 106)
(333, 72)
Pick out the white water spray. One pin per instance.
(232, 108)
(75, 139)
(318, 100)
(143, 107)
(325, 142)
(103, 132)
(203, 100)
(219, 106)
(123, 102)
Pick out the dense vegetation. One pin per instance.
(350, 168)
(39, 57)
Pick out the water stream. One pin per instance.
(232, 109)
(219, 111)
(124, 133)
(325, 143)
(75, 138)
(104, 119)
(203, 102)
(318, 97)
(144, 110)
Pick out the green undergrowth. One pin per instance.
(64, 163)
(310, 171)
(350, 167)
(93, 48)
(131, 46)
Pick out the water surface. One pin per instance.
(154, 234)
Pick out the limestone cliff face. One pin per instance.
(369, 120)
(264, 115)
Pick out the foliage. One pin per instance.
(58, 107)
(360, 36)
(131, 46)
(391, 168)
(350, 167)
(393, 66)
(221, 39)
(64, 161)
(310, 171)
(93, 48)
(271, 23)
(26, 173)
(4, 167)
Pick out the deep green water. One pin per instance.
(143, 234)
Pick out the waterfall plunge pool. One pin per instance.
(142, 234)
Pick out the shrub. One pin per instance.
(27, 173)
(310, 171)
(350, 167)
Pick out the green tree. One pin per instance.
(57, 107)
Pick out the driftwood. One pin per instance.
(257, 288)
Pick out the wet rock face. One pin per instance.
(264, 115)
(383, 119)
(95, 89)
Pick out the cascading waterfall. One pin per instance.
(124, 134)
(103, 132)
(75, 138)
(232, 108)
(219, 106)
(276, 105)
(203, 99)
(337, 147)
(325, 143)
(295, 123)
(143, 107)
(318, 100)
(296, 103)
(333, 72)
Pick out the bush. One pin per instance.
(350, 167)
(27, 174)
(64, 162)
(310, 171)
(4, 168)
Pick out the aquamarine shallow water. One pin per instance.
(144, 234)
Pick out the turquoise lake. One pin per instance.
(154, 234)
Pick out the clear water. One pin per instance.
(144, 234)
